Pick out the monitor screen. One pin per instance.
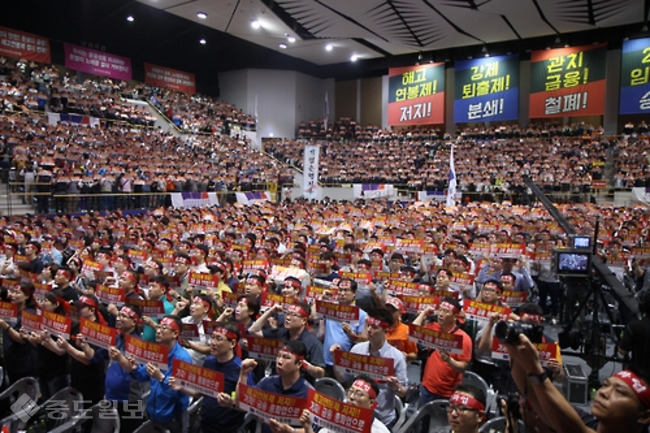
(582, 242)
(573, 263)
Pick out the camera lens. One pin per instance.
(507, 332)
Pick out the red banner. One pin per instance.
(315, 292)
(204, 380)
(475, 310)
(31, 321)
(21, 45)
(415, 304)
(546, 351)
(416, 95)
(146, 351)
(97, 334)
(359, 277)
(338, 416)
(267, 405)
(110, 295)
(338, 312)
(375, 367)
(154, 309)
(433, 339)
(9, 312)
(56, 324)
(514, 299)
(264, 348)
(272, 299)
(169, 78)
(200, 279)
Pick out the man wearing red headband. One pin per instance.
(378, 323)
(62, 280)
(622, 403)
(443, 371)
(466, 410)
(200, 307)
(165, 405)
(295, 328)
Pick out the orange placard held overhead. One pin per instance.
(416, 95)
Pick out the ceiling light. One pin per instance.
(354, 58)
(283, 45)
(130, 18)
(291, 39)
(202, 15)
(256, 24)
(328, 47)
(202, 41)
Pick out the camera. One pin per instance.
(508, 332)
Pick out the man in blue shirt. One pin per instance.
(165, 405)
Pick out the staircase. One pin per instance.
(11, 203)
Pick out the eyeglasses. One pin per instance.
(489, 289)
(460, 410)
(356, 393)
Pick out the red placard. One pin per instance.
(190, 332)
(264, 348)
(338, 416)
(97, 334)
(200, 279)
(546, 351)
(252, 265)
(267, 405)
(475, 310)
(360, 277)
(375, 367)
(137, 256)
(338, 312)
(9, 312)
(31, 321)
(272, 299)
(146, 351)
(230, 299)
(406, 288)
(511, 251)
(204, 380)
(110, 295)
(56, 324)
(315, 292)
(155, 309)
(415, 304)
(514, 299)
(40, 289)
(462, 282)
(21, 45)
(433, 339)
(383, 276)
(169, 78)
(409, 245)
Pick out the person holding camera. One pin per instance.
(622, 403)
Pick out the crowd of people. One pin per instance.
(355, 255)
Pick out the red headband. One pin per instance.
(223, 331)
(372, 321)
(450, 306)
(637, 384)
(85, 300)
(131, 313)
(466, 400)
(65, 272)
(123, 260)
(288, 349)
(292, 283)
(182, 260)
(205, 302)
(171, 323)
(130, 276)
(298, 310)
(365, 386)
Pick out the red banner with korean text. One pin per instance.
(355, 364)
(546, 351)
(204, 380)
(97, 334)
(433, 339)
(568, 82)
(56, 324)
(22, 45)
(31, 321)
(475, 310)
(146, 351)
(264, 348)
(338, 312)
(329, 413)
(267, 405)
(416, 95)
(169, 78)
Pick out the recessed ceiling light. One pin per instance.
(130, 18)
(354, 58)
(202, 15)
(291, 39)
(256, 24)
(283, 45)
(328, 47)
(202, 41)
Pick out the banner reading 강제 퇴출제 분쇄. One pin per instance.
(416, 95)
(486, 89)
(635, 75)
(568, 82)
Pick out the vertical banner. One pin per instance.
(310, 188)
(416, 95)
(169, 78)
(635, 71)
(97, 62)
(568, 81)
(451, 189)
(486, 89)
(21, 45)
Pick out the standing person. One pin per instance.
(222, 358)
(378, 323)
(200, 309)
(165, 405)
(398, 334)
(636, 337)
(158, 291)
(19, 355)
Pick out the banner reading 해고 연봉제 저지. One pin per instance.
(416, 95)
(568, 82)
(486, 89)
(635, 77)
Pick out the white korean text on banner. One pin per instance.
(310, 188)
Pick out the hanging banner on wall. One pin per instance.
(568, 82)
(97, 62)
(310, 187)
(169, 78)
(635, 72)
(416, 95)
(21, 45)
(486, 89)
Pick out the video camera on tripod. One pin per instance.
(576, 260)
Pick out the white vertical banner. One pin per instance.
(451, 191)
(326, 117)
(310, 188)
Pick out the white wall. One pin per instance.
(284, 98)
